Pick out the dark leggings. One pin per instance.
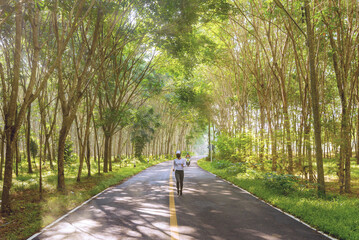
(179, 179)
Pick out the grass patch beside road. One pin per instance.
(30, 214)
(335, 215)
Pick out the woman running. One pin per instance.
(178, 165)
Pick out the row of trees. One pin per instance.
(91, 72)
(291, 68)
(60, 53)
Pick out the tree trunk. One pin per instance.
(346, 149)
(2, 152)
(83, 142)
(300, 142)
(209, 139)
(28, 138)
(47, 146)
(308, 148)
(10, 113)
(126, 148)
(273, 145)
(60, 156)
(88, 157)
(110, 154)
(41, 162)
(53, 147)
(154, 146)
(288, 137)
(169, 140)
(357, 136)
(163, 144)
(10, 145)
(106, 153)
(17, 158)
(315, 102)
(98, 157)
(96, 146)
(119, 147)
(261, 143)
(81, 158)
(94, 152)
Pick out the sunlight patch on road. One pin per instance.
(173, 217)
(152, 211)
(86, 224)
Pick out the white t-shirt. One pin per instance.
(178, 164)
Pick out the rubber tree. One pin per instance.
(315, 100)
(115, 103)
(342, 37)
(144, 124)
(15, 105)
(121, 86)
(314, 91)
(83, 131)
(72, 83)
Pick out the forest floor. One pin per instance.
(334, 214)
(332, 180)
(30, 213)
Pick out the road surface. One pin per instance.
(146, 207)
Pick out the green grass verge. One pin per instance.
(336, 215)
(30, 214)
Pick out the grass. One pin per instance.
(30, 213)
(330, 172)
(335, 215)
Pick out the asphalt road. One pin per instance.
(209, 209)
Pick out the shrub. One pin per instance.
(234, 148)
(236, 168)
(69, 155)
(221, 164)
(282, 183)
(33, 148)
(125, 161)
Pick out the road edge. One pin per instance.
(278, 209)
(87, 201)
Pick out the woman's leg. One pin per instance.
(181, 181)
(177, 175)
